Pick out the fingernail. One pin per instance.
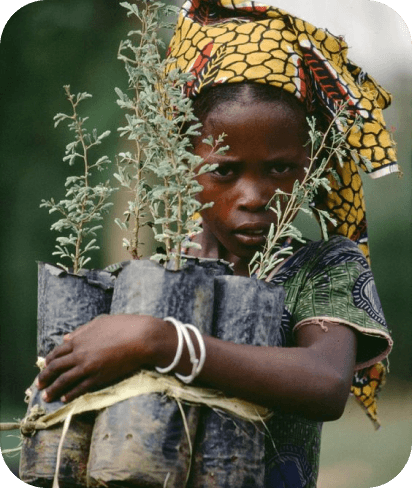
(36, 383)
(45, 396)
(63, 399)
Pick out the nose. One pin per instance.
(254, 196)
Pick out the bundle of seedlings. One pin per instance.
(69, 295)
(159, 172)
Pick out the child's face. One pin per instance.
(266, 153)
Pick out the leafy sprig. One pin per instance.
(325, 147)
(84, 204)
(160, 125)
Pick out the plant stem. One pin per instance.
(286, 217)
(135, 244)
(85, 178)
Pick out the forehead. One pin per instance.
(264, 125)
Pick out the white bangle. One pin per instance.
(202, 347)
(179, 329)
(183, 335)
(192, 355)
(197, 363)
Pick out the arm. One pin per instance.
(312, 378)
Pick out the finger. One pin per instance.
(73, 333)
(63, 384)
(59, 351)
(84, 387)
(80, 329)
(53, 370)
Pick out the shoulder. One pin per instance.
(335, 250)
(315, 257)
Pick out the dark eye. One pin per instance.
(224, 170)
(281, 168)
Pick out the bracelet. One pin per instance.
(201, 342)
(193, 358)
(197, 364)
(179, 329)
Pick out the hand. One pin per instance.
(98, 354)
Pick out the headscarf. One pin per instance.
(232, 41)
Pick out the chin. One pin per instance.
(245, 254)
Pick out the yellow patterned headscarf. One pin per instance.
(230, 41)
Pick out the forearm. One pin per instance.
(300, 379)
(289, 379)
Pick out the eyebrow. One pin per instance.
(286, 159)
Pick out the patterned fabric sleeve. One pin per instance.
(331, 282)
(339, 287)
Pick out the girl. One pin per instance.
(259, 72)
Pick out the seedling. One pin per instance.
(84, 205)
(160, 171)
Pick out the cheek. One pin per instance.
(219, 197)
(288, 184)
(210, 192)
(202, 196)
(221, 205)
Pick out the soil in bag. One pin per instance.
(38, 463)
(143, 441)
(230, 451)
(65, 302)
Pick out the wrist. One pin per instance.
(162, 344)
(187, 359)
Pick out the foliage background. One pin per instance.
(48, 44)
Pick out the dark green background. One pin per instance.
(51, 43)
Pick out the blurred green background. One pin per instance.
(48, 44)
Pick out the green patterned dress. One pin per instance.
(325, 282)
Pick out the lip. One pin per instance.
(252, 233)
(253, 226)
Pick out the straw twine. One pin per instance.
(142, 383)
